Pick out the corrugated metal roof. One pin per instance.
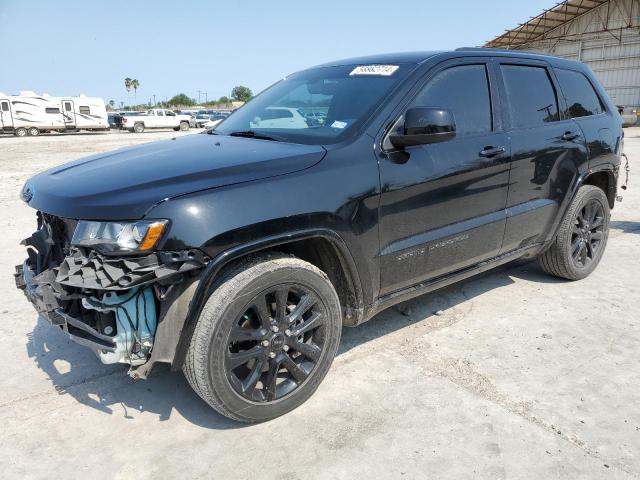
(548, 20)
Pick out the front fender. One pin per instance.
(208, 278)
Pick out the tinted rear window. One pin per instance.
(531, 96)
(582, 100)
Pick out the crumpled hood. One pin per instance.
(124, 184)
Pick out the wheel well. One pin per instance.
(605, 181)
(327, 257)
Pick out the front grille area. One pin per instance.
(75, 289)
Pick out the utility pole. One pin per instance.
(154, 99)
(205, 97)
(199, 97)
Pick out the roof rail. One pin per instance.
(483, 49)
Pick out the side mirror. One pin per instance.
(424, 125)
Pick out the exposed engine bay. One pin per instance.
(110, 303)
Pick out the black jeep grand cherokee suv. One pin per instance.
(239, 254)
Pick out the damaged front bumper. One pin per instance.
(112, 305)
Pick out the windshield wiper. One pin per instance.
(253, 134)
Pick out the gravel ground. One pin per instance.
(512, 374)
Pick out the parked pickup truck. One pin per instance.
(156, 118)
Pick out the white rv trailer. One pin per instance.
(30, 114)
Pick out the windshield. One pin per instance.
(318, 106)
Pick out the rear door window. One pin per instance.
(582, 100)
(530, 94)
(464, 90)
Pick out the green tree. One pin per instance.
(112, 103)
(241, 93)
(181, 99)
(135, 84)
(127, 85)
(224, 100)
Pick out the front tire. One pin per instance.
(184, 126)
(582, 236)
(265, 338)
(138, 127)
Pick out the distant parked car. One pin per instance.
(279, 117)
(115, 120)
(629, 116)
(201, 119)
(156, 118)
(192, 118)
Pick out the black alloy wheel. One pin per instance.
(587, 233)
(275, 344)
(265, 338)
(581, 237)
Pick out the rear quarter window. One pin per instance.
(582, 99)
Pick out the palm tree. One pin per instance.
(112, 103)
(127, 85)
(135, 84)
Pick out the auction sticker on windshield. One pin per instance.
(382, 70)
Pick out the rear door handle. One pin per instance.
(568, 136)
(489, 152)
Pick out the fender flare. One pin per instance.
(580, 181)
(213, 268)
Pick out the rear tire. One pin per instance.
(265, 338)
(582, 236)
(34, 132)
(138, 127)
(184, 126)
(20, 132)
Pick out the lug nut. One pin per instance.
(287, 332)
(265, 343)
(263, 331)
(275, 329)
(272, 355)
(285, 348)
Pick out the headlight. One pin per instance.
(119, 237)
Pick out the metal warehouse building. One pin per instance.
(605, 34)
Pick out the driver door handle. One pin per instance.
(489, 152)
(570, 136)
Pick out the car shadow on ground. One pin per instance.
(74, 370)
(625, 226)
